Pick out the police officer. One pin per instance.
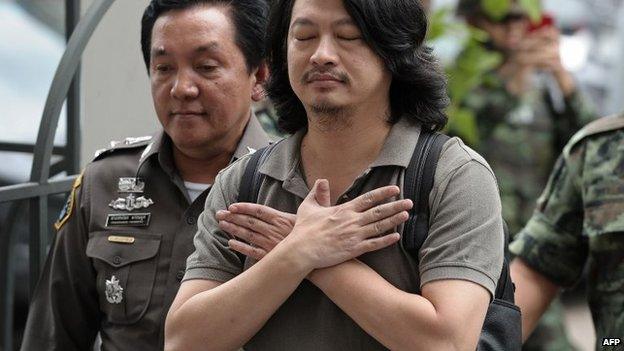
(123, 238)
(579, 220)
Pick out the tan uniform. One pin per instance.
(120, 251)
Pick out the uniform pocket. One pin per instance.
(126, 269)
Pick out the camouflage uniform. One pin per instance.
(580, 220)
(521, 137)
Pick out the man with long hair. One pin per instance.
(355, 86)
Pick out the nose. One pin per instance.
(325, 53)
(184, 87)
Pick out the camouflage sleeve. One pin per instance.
(552, 242)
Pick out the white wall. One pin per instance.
(116, 100)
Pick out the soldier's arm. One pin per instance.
(550, 249)
(533, 295)
(64, 312)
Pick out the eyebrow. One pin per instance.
(303, 21)
(210, 47)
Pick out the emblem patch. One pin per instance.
(114, 292)
(131, 203)
(68, 209)
(131, 185)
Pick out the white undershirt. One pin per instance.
(195, 189)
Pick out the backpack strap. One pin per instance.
(417, 185)
(250, 183)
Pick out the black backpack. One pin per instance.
(502, 328)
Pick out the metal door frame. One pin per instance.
(65, 86)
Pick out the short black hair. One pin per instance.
(395, 30)
(249, 18)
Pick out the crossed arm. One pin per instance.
(322, 247)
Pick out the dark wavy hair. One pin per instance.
(395, 30)
(249, 18)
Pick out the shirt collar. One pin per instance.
(399, 145)
(283, 162)
(254, 137)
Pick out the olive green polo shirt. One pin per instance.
(465, 239)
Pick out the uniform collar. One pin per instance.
(254, 137)
(283, 162)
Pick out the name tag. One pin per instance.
(128, 220)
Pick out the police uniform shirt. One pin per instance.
(120, 251)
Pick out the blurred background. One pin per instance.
(114, 98)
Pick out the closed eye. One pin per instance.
(207, 68)
(162, 68)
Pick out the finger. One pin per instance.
(262, 212)
(311, 197)
(382, 211)
(269, 230)
(222, 215)
(373, 197)
(379, 227)
(247, 235)
(377, 243)
(246, 249)
(323, 193)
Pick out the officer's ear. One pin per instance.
(261, 74)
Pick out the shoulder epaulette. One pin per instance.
(127, 143)
(601, 125)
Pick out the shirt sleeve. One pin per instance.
(64, 313)
(552, 242)
(465, 238)
(213, 259)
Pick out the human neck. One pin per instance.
(197, 168)
(342, 153)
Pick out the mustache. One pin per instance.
(315, 73)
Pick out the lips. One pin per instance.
(323, 77)
(187, 113)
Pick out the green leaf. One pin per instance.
(463, 123)
(496, 9)
(533, 9)
(438, 23)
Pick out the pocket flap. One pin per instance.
(119, 249)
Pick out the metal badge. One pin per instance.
(114, 292)
(121, 239)
(131, 203)
(131, 185)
